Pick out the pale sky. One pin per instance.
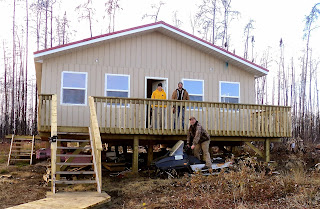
(274, 19)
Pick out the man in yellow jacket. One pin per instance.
(159, 93)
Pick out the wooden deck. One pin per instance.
(134, 116)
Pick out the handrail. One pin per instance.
(149, 116)
(96, 142)
(54, 132)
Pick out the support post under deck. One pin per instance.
(150, 153)
(135, 154)
(267, 149)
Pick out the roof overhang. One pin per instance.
(165, 29)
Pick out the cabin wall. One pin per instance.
(147, 55)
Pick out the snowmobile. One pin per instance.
(177, 160)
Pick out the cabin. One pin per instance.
(101, 86)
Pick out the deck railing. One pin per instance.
(44, 112)
(160, 117)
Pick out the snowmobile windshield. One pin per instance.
(177, 149)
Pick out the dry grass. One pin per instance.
(248, 185)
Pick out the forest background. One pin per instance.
(282, 36)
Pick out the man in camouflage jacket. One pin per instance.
(199, 139)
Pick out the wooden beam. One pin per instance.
(150, 153)
(135, 154)
(267, 149)
(259, 152)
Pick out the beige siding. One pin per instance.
(153, 55)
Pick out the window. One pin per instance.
(74, 88)
(194, 88)
(229, 92)
(117, 85)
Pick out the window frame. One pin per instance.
(76, 88)
(231, 82)
(118, 90)
(189, 79)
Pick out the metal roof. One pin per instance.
(165, 29)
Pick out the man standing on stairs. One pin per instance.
(159, 93)
(200, 140)
(179, 94)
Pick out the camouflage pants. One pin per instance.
(204, 146)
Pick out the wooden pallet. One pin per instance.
(17, 150)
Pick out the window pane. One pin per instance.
(193, 87)
(73, 96)
(76, 80)
(117, 82)
(230, 89)
(196, 98)
(117, 94)
(229, 100)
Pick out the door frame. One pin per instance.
(155, 78)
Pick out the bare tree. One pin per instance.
(155, 15)
(247, 33)
(207, 18)
(112, 6)
(193, 23)
(86, 12)
(228, 16)
(176, 21)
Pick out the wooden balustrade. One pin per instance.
(160, 117)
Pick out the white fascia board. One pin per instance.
(96, 40)
(215, 49)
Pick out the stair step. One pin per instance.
(73, 147)
(70, 155)
(22, 139)
(19, 159)
(72, 140)
(21, 155)
(76, 182)
(75, 172)
(74, 163)
(21, 143)
(22, 151)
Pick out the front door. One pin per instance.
(151, 85)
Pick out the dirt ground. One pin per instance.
(248, 185)
(20, 183)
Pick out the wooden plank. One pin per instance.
(125, 115)
(54, 130)
(9, 156)
(32, 147)
(120, 116)
(259, 152)
(111, 107)
(66, 200)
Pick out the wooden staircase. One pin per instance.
(65, 164)
(74, 163)
(21, 149)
